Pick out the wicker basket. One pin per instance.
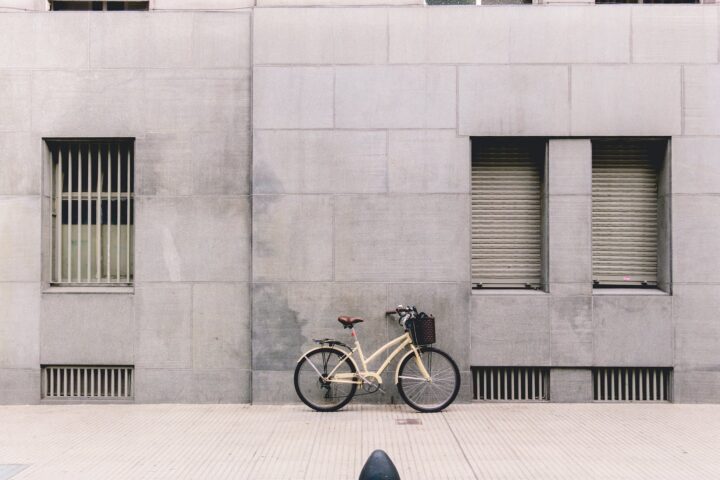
(422, 329)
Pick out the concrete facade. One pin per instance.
(298, 163)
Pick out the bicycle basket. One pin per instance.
(422, 329)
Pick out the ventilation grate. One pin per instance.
(632, 384)
(523, 384)
(81, 382)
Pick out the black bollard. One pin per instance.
(379, 467)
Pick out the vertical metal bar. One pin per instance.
(92, 382)
(647, 384)
(65, 385)
(505, 384)
(78, 250)
(89, 214)
(541, 386)
(58, 216)
(662, 385)
(72, 382)
(126, 391)
(112, 382)
(70, 216)
(51, 376)
(532, 381)
(527, 371)
(130, 382)
(84, 382)
(105, 381)
(127, 218)
(512, 384)
(492, 384)
(109, 219)
(117, 219)
(98, 217)
(655, 387)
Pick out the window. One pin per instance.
(97, 6)
(625, 211)
(92, 211)
(507, 217)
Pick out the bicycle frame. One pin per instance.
(402, 341)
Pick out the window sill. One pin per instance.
(104, 289)
(629, 291)
(507, 291)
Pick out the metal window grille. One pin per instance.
(632, 384)
(82, 382)
(106, 5)
(92, 216)
(507, 213)
(625, 212)
(523, 384)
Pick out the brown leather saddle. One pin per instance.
(348, 322)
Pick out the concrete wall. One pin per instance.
(180, 84)
(357, 196)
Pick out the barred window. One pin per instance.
(92, 211)
(101, 6)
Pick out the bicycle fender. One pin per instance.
(343, 352)
(397, 369)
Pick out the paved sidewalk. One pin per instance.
(475, 441)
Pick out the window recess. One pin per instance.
(507, 217)
(625, 212)
(101, 6)
(92, 212)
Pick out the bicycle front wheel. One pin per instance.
(436, 393)
(316, 381)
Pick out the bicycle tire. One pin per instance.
(412, 388)
(312, 389)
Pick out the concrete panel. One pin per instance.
(395, 97)
(86, 329)
(572, 331)
(570, 167)
(509, 330)
(696, 386)
(163, 385)
(287, 317)
(88, 103)
(571, 385)
(44, 41)
(632, 331)
(15, 101)
(164, 326)
(197, 100)
(570, 239)
(702, 100)
(570, 35)
(319, 36)
(201, 163)
(292, 97)
(449, 303)
(695, 165)
(428, 161)
(27, 5)
(170, 40)
(674, 34)
(192, 239)
(514, 100)
(19, 325)
(221, 325)
(334, 3)
(319, 161)
(20, 239)
(625, 100)
(273, 387)
(21, 164)
(201, 4)
(402, 238)
(19, 386)
(696, 229)
(227, 385)
(450, 35)
(697, 327)
(292, 238)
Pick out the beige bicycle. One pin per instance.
(428, 379)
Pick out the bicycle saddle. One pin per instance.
(349, 321)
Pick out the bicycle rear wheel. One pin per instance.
(433, 395)
(314, 384)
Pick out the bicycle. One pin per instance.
(428, 379)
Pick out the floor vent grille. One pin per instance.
(83, 382)
(632, 384)
(523, 384)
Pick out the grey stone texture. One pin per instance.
(294, 164)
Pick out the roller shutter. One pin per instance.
(507, 213)
(625, 212)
